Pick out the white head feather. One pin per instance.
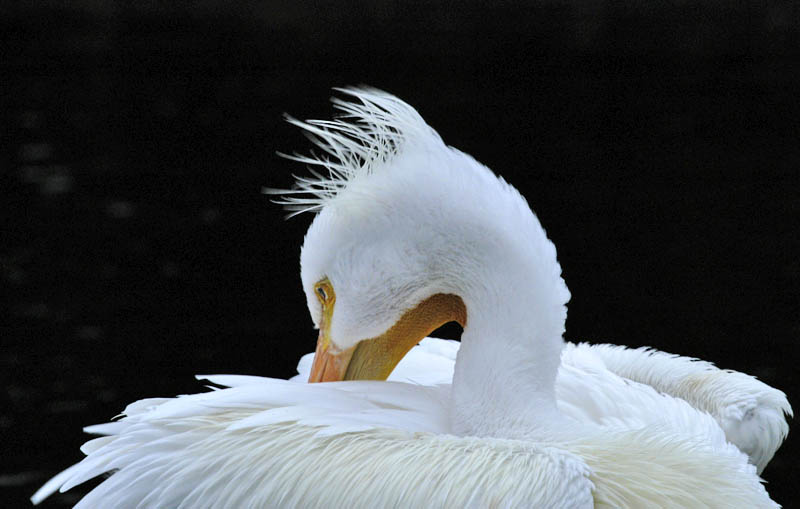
(367, 135)
(402, 216)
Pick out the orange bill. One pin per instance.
(375, 358)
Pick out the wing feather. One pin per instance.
(198, 451)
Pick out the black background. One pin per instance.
(657, 141)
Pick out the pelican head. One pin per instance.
(408, 233)
(379, 275)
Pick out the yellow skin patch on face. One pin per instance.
(375, 358)
(327, 298)
(329, 361)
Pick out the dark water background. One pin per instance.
(657, 142)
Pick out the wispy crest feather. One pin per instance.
(371, 129)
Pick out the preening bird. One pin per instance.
(410, 234)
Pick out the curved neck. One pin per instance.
(504, 380)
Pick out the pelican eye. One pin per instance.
(324, 291)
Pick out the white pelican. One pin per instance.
(411, 234)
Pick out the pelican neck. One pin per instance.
(504, 380)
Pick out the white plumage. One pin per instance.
(609, 383)
(525, 423)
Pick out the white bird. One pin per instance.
(411, 234)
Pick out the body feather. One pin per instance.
(614, 385)
(211, 450)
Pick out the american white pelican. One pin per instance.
(411, 234)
